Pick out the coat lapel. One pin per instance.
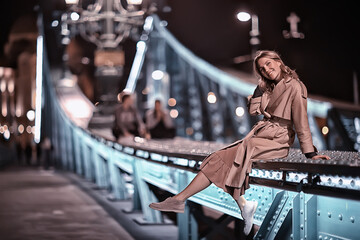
(278, 90)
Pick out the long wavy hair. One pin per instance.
(266, 84)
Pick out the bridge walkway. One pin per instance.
(47, 204)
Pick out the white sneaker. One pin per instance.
(248, 215)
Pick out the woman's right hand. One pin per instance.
(316, 157)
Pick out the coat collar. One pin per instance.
(279, 89)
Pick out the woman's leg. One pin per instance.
(177, 203)
(199, 183)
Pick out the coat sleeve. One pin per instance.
(300, 118)
(253, 102)
(254, 105)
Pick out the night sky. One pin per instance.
(325, 60)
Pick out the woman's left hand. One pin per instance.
(320, 157)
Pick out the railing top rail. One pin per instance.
(341, 163)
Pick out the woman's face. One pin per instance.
(129, 101)
(270, 68)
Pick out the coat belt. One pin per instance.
(282, 121)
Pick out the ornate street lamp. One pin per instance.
(106, 23)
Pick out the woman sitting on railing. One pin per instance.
(282, 98)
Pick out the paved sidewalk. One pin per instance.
(37, 205)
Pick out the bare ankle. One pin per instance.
(178, 198)
(241, 205)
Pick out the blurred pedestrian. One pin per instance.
(128, 122)
(159, 122)
(28, 153)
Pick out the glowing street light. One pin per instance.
(243, 16)
(157, 75)
(134, 2)
(71, 2)
(211, 98)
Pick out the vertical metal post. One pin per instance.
(77, 150)
(87, 158)
(117, 182)
(99, 176)
(310, 217)
(254, 34)
(136, 196)
(146, 195)
(187, 225)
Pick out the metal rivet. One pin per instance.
(340, 181)
(352, 219)
(329, 214)
(340, 217)
(318, 212)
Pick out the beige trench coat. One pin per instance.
(272, 137)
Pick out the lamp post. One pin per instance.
(254, 32)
